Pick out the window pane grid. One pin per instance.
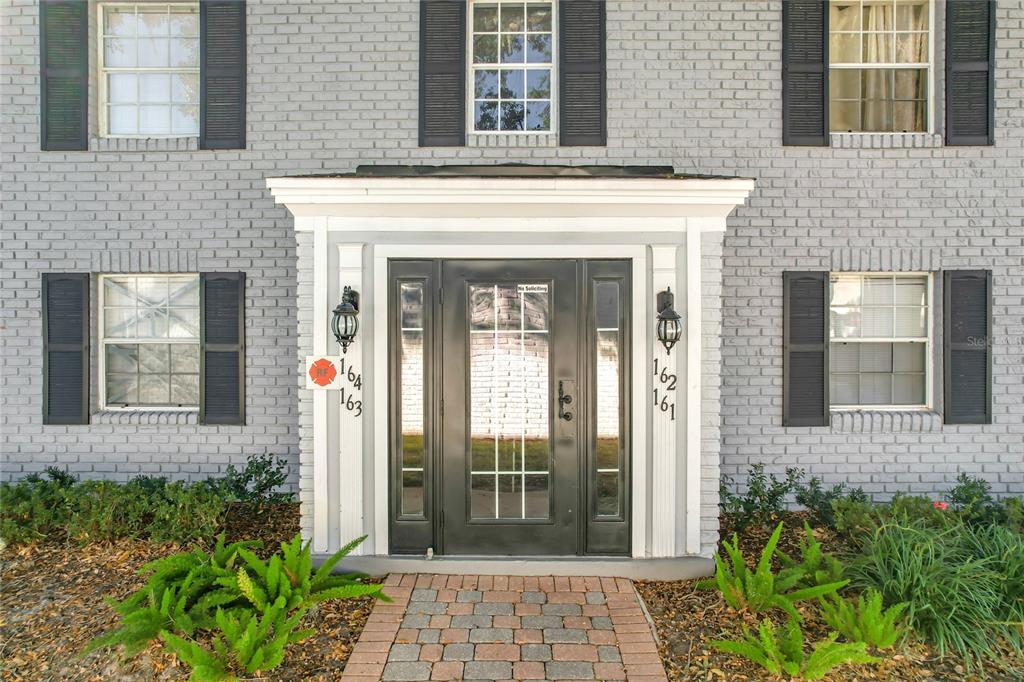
(149, 56)
(510, 447)
(512, 57)
(150, 340)
(879, 64)
(879, 340)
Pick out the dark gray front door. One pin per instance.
(510, 443)
(509, 406)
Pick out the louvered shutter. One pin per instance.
(442, 73)
(222, 348)
(64, 75)
(581, 73)
(805, 400)
(65, 297)
(967, 346)
(970, 69)
(805, 73)
(222, 46)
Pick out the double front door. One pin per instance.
(509, 407)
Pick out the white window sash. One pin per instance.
(471, 67)
(930, 102)
(104, 341)
(102, 70)
(927, 340)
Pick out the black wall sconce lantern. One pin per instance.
(670, 326)
(345, 322)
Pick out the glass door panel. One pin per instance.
(509, 378)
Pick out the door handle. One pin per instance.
(564, 398)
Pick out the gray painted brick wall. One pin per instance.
(695, 85)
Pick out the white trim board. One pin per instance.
(422, 198)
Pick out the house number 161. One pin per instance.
(664, 395)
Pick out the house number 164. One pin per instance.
(664, 395)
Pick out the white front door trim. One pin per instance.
(641, 322)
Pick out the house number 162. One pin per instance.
(664, 395)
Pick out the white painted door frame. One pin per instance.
(637, 254)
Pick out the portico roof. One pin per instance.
(526, 191)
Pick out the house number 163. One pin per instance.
(350, 399)
(664, 395)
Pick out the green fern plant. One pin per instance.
(288, 575)
(206, 666)
(817, 566)
(762, 589)
(782, 653)
(864, 620)
(181, 595)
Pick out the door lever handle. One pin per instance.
(563, 400)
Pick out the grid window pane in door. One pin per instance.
(411, 388)
(149, 56)
(511, 47)
(510, 449)
(608, 443)
(150, 332)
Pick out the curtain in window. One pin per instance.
(893, 99)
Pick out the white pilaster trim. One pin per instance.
(694, 329)
(381, 438)
(350, 441)
(321, 491)
(664, 452)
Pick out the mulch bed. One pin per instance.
(51, 606)
(687, 619)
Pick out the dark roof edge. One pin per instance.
(519, 170)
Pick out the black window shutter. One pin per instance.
(582, 118)
(65, 297)
(970, 72)
(64, 75)
(967, 346)
(805, 400)
(442, 73)
(222, 348)
(222, 47)
(805, 73)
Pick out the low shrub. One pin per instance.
(247, 609)
(864, 620)
(782, 652)
(957, 599)
(765, 500)
(58, 504)
(819, 501)
(761, 589)
(260, 481)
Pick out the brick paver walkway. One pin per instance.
(455, 627)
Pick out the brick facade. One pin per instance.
(695, 85)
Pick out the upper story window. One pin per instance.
(512, 74)
(149, 334)
(149, 70)
(880, 340)
(880, 65)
